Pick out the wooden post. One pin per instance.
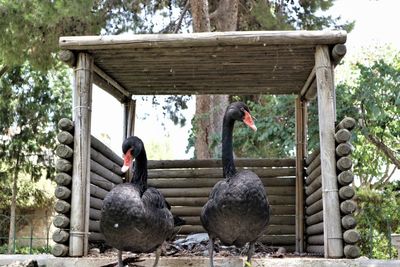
(80, 196)
(129, 118)
(326, 112)
(301, 112)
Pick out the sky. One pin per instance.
(377, 23)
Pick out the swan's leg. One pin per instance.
(120, 264)
(250, 252)
(211, 251)
(158, 253)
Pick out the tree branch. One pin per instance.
(385, 149)
(3, 70)
(185, 9)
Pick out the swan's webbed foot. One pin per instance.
(250, 253)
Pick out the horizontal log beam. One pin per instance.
(62, 206)
(271, 229)
(315, 218)
(101, 181)
(314, 164)
(105, 150)
(61, 221)
(352, 251)
(66, 124)
(96, 203)
(195, 211)
(344, 149)
(337, 53)
(104, 172)
(312, 156)
(314, 174)
(315, 229)
(314, 208)
(63, 165)
(94, 214)
(60, 236)
(65, 138)
(348, 206)
(97, 192)
(277, 240)
(201, 182)
(63, 178)
(62, 192)
(347, 123)
(96, 237)
(105, 162)
(315, 249)
(94, 226)
(342, 136)
(315, 240)
(317, 195)
(317, 183)
(351, 236)
(215, 163)
(345, 178)
(344, 163)
(64, 151)
(60, 250)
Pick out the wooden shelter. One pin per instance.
(263, 62)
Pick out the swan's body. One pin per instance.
(237, 211)
(134, 217)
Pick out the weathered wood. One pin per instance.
(352, 251)
(195, 211)
(106, 151)
(344, 149)
(315, 229)
(315, 249)
(349, 222)
(94, 214)
(347, 123)
(274, 220)
(66, 125)
(96, 203)
(205, 191)
(101, 181)
(63, 165)
(61, 221)
(111, 81)
(342, 136)
(315, 239)
(307, 85)
(67, 57)
(63, 178)
(317, 195)
(94, 226)
(60, 250)
(345, 178)
(346, 192)
(62, 192)
(314, 208)
(314, 164)
(314, 174)
(351, 236)
(312, 156)
(344, 163)
(301, 140)
(277, 240)
(338, 52)
(348, 206)
(203, 39)
(64, 151)
(103, 84)
(317, 183)
(201, 182)
(217, 172)
(65, 138)
(311, 94)
(60, 236)
(81, 172)
(98, 192)
(62, 206)
(272, 229)
(315, 218)
(217, 163)
(104, 172)
(105, 162)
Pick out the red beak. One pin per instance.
(127, 161)
(248, 120)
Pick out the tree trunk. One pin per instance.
(13, 207)
(210, 109)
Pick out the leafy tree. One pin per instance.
(31, 103)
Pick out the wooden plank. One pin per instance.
(313, 165)
(314, 208)
(301, 110)
(202, 39)
(201, 182)
(106, 151)
(274, 220)
(346, 192)
(313, 175)
(317, 195)
(315, 218)
(315, 229)
(347, 123)
(314, 186)
(104, 172)
(111, 81)
(349, 222)
(96, 203)
(105, 162)
(312, 156)
(316, 239)
(101, 181)
(103, 84)
(326, 112)
(215, 163)
(271, 229)
(81, 171)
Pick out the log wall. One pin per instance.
(313, 192)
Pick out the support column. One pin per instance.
(80, 196)
(129, 118)
(301, 144)
(333, 242)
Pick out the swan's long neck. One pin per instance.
(227, 150)
(140, 172)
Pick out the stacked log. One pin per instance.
(186, 185)
(105, 173)
(64, 152)
(346, 191)
(314, 213)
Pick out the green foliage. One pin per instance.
(31, 104)
(377, 218)
(372, 97)
(25, 250)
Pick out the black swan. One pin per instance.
(237, 211)
(135, 217)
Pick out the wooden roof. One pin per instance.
(269, 62)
